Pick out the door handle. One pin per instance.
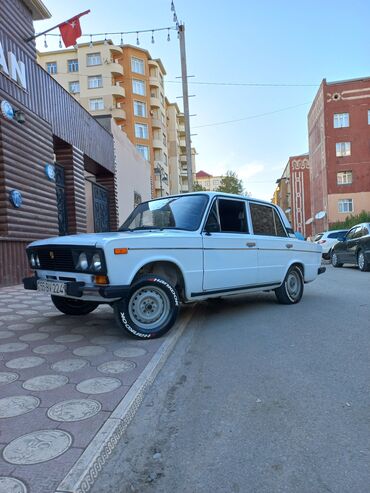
(289, 245)
(250, 244)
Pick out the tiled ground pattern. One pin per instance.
(60, 378)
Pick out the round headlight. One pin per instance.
(82, 263)
(37, 260)
(32, 260)
(96, 262)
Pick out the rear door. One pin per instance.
(275, 247)
(351, 243)
(229, 251)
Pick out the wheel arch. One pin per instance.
(166, 268)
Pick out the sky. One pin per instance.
(285, 47)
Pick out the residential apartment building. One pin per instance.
(293, 194)
(122, 82)
(207, 181)
(339, 148)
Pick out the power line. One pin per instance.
(248, 84)
(252, 116)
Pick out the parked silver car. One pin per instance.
(328, 239)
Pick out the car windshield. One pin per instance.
(183, 212)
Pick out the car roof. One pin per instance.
(216, 194)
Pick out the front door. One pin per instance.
(100, 208)
(230, 256)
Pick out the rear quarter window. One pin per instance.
(266, 221)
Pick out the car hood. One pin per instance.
(101, 239)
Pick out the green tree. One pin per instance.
(197, 187)
(230, 183)
(352, 220)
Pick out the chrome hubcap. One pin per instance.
(293, 284)
(149, 308)
(361, 260)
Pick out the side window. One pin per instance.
(280, 231)
(266, 221)
(366, 231)
(351, 234)
(232, 216)
(358, 232)
(212, 224)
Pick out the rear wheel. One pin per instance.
(291, 291)
(362, 263)
(70, 306)
(150, 309)
(335, 261)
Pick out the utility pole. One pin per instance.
(185, 96)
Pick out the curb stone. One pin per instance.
(84, 473)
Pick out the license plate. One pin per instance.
(52, 287)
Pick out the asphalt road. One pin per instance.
(259, 398)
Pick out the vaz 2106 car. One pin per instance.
(176, 249)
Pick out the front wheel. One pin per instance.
(362, 263)
(291, 291)
(149, 310)
(335, 261)
(70, 306)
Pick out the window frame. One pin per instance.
(98, 77)
(275, 213)
(141, 61)
(70, 88)
(96, 99)
(136, 101)
(338, 122)
(343, 145)
(49, 65)
(216, 202)
(143, 146)
(72, 62)
(342, 201)
(345, 173)
(88, 57)
(144, 125)
(141, 82)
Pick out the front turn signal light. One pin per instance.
(101, 280)
(120, 251)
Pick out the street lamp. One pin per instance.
(158, 170)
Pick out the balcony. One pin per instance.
(155, 102)
(154, 82)
(157, 143)
(182, 143)
(118, 91)
(115, 50)
(118, 114)
(156, 123)
(115, 68)
(182, 128)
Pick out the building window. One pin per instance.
(96, 104)
(72, 65)
(144, 151)
(344, 178)
(137, 199)
(141, 131)
(343, 149)
(138, 87)
(51, 68)
(95, 81)
(137, 66)
(341, 120)
(345, 205)
(93, 59)
(139, 109)
(74, 87)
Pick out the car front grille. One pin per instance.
(59, 259)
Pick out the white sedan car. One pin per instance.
(175, 249)
(328, 239)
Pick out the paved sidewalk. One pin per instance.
(61, 377)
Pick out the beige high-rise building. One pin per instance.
(122, 82)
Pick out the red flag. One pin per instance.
(71, 30)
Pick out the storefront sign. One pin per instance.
(13, 68)
(6, 110)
